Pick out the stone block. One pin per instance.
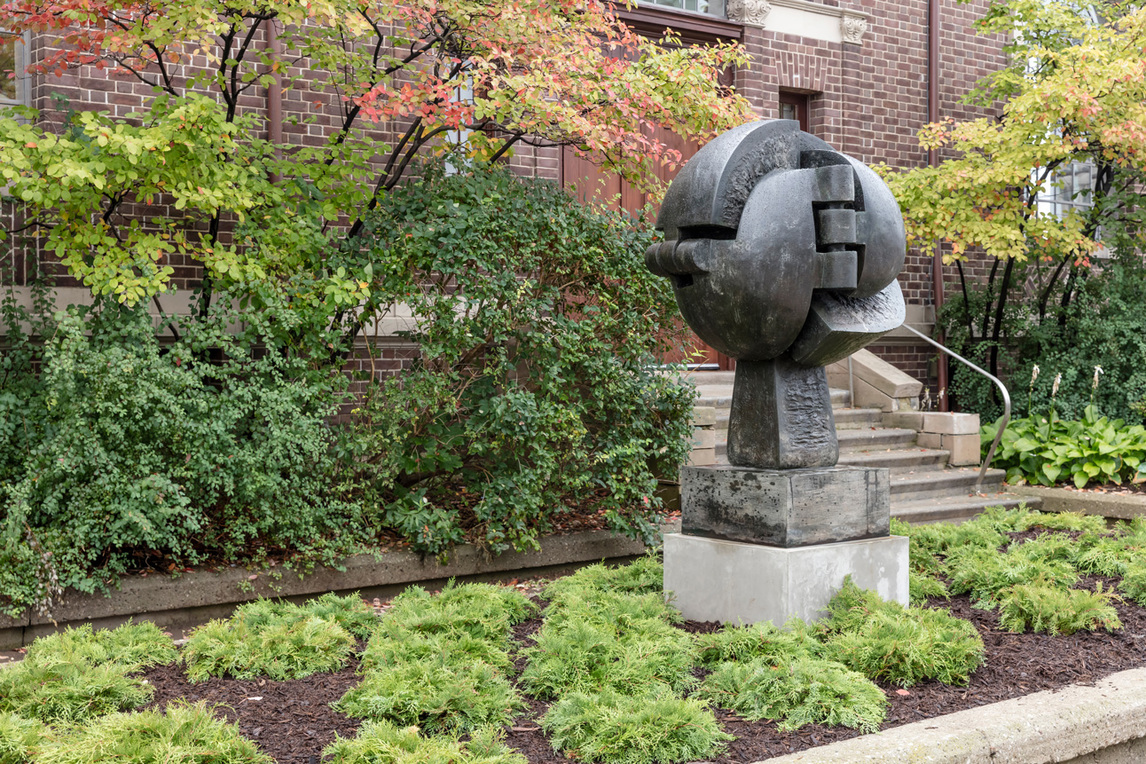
(703, 416)
(964, 449)
(703, 438)
(733, 582)
(929, 440)
(785, 508)
(867, 397)
(907, 420)
(701, 457)
(947, 423)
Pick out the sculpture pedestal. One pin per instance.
(734, 582)
(765, 545)
(785, 508)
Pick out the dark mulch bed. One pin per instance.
(292, 721)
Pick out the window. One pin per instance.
(1069, 187)
(707, 7)
(14, 80)
(794, 106)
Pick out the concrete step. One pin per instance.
(870, 438)
(846, 419)
(955, 508)
(896, 458)
(952, 481)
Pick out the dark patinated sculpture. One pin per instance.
(783, 254)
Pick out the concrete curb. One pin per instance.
(1112, 505)
(1097, 724)
(177, 602)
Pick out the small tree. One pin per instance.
(1075, 92)
(495, 74)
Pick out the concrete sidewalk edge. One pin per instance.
(1078, 722)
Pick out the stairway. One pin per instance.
(924, 489)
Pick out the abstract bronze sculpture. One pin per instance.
(783, 254)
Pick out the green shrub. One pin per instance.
(1104, 556)
(1046, 451)
(1052, 610)
(534, 396)
(643, 576)
(483, 611)
(760, 640)
(78, 674)
(903, 646)
(584, 655)
(940, 538)
(922, 587)
(350, 612)
(799, 691)
(132, 646)
(286, 649)
(1133, 583)
(435, 695)
(20, 739)
(181, 735)
(984, 573)
(633, 729)
(394, 646)
(147, 447)
(385, 743)
(1063, 521)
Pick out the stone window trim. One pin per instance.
(851, 24)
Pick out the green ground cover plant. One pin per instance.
(902, 646)
(625, 685)
(385, 743)
(20, 738)
(78, 674)
(796, 691)
(183, 734)
(1030, 581)
(1051, 610)
(441, 662)
(278, 640)
(621, 728)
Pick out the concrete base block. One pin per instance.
(734, 582)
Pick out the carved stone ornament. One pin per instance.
(752, 12)
(853, 28)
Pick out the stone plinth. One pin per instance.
(733, 582)
(785, 508)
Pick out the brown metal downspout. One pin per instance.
(275, 95)
(934, 26)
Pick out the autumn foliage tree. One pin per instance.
(409, 78)
(1075, 92)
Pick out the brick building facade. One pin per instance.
(855, 72)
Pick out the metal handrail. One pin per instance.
(993, 378)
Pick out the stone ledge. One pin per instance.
(178, 602)
(1099, 724)
(1116, 506)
